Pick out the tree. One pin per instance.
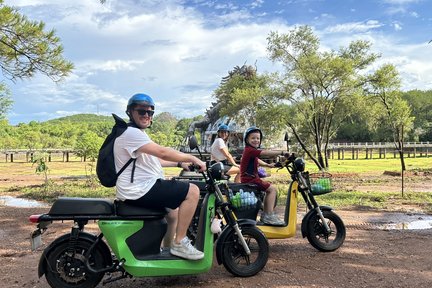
(26, 48)
(246, 96)
(42, 168)
(421, 107)
(87, 145)
(384, 87)
(5, 101)
(323, 86)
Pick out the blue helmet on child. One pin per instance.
(251, 130)
(141, 99)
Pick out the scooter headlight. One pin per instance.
(299, 164)
(216, 170)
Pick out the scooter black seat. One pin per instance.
(126, 209)
(81, 206)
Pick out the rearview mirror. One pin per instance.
(193, 143)
(286, 138)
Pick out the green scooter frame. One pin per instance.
(163, 264)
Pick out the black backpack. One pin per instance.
(105, 166)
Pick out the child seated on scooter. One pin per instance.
(249, 172)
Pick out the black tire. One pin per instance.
(318, 236)
(234, 257)
(66, 268)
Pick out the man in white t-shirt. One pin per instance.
(149, 187)
(219, 153)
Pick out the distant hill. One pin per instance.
(82, 118)
(163, 117)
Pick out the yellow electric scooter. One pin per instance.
(323, 228)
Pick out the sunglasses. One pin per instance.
(143, 112)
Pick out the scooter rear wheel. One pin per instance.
(322, 240)
(236, 261)
(67, 269)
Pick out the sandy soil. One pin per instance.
(370, 257)
(373, 255)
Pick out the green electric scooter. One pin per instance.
(130, 240)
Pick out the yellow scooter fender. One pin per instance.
(307, 217)
(225, 233)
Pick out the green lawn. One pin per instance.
(87, 184)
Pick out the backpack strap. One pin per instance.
(126, 165)
(133, 170)
(122, 123)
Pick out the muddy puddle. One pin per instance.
(413, 225)
(387, 220)
(20, 202)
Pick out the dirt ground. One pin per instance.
(373, 255)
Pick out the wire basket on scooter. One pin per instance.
(245, 204)
(320, 183)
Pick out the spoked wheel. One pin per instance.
(322, 240)
(66, 266)
(235, 259)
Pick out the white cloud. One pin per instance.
(178, 54)
(397, 26)
(401, 2)
(353, 27)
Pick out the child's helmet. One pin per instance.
(251, 130)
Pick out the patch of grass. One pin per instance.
(72, 188)
(371, 200)
(86, 185)
(377, 165)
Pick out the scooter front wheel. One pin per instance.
(67, 268)
(320, 238)
(235, 259)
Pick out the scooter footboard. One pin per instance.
(134, 239)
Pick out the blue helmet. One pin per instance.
(249, 131)
(142, 99)
(223, 127)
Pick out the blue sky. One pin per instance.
(178, 51)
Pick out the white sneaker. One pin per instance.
(271, 219)
(186, 250)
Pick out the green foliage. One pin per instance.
(84, 132)
(248, 99)
(323, 86)
(88, 144)
(164, 130)
(26, 48)
(421, 106)
(5, 101)
(42, 168)
(71, 188)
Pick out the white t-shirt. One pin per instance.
(216, 153)
(147, 167)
